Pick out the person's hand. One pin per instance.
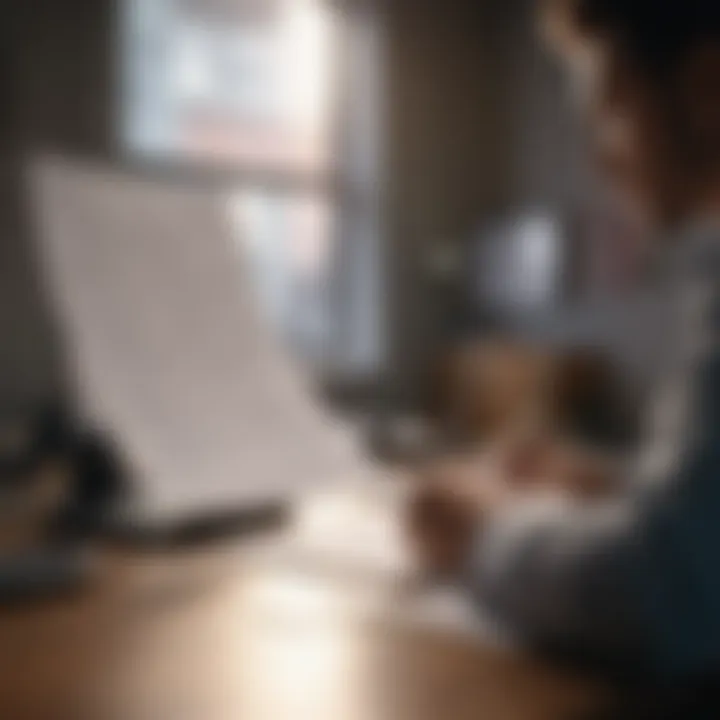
(452, 500)
(449, 504)
(539, 463)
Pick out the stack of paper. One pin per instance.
(168, 349)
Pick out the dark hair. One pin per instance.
(657, 34)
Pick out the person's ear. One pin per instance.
(700, 96)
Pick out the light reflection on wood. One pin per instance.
(204, 639)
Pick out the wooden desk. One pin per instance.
(213, 636)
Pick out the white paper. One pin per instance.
(169, 352)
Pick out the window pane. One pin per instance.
(206, 81)
(287, 240)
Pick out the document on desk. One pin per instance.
(168, 349)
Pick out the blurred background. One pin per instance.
(405, 182)
(408, 184)
(371, 155)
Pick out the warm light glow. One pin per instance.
(306, 60)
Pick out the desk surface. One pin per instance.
(211, 636)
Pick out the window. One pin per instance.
(234, 82)
(248, 86)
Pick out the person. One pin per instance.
(628, 580)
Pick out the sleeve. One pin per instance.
(587, 576)
(564, 576)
